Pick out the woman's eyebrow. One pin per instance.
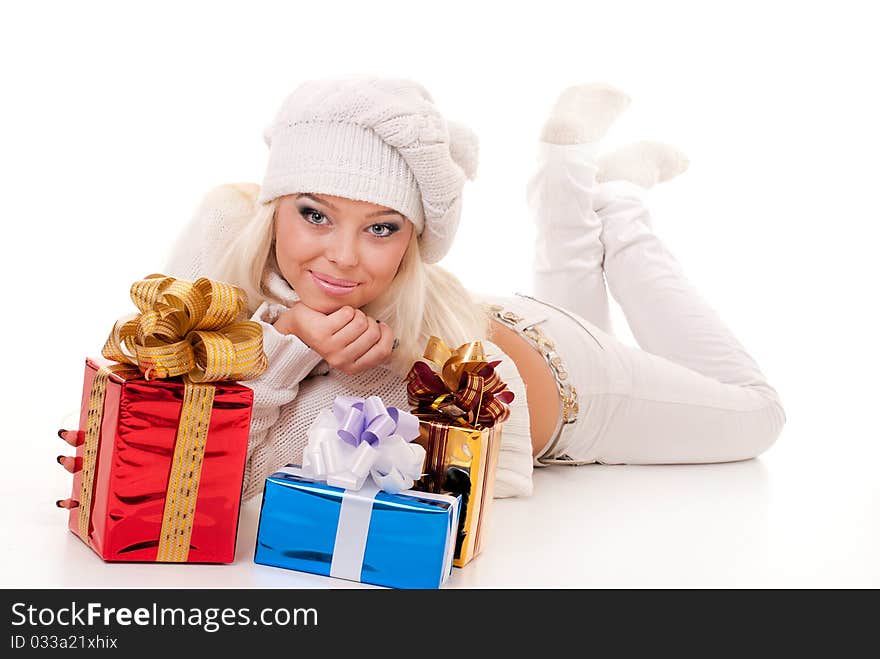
(333, 207)
(389, 212)
(318, 200)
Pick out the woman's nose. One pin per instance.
(343, 251)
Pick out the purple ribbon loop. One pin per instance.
(369, 420)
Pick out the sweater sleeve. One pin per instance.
(513, 476)
(290, 362)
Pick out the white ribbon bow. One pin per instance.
(361, 437)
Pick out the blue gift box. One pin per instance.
(403, 540)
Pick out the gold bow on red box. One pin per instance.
(192, 330)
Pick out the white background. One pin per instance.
(117, 120)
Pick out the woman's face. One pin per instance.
(335, 251)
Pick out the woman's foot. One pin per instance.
(626, 174)
(583, 113)
(644, 163)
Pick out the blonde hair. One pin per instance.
(422, 299)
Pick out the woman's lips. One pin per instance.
(332, 288)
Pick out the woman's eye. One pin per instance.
(312, 216)
(319, 219)
(383, 230)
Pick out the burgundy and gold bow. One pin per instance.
(462, 387)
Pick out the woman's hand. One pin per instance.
(347, 339)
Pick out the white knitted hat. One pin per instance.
(374, 139)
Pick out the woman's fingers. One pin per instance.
(363, 343)
(70, 463)
(348, 334)
(72, 437)
(378, 352)
(339, 318)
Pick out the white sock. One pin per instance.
(645, 163)
(583, 113)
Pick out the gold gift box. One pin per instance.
(462, 404)
(462, 461)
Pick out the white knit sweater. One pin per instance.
(298, 383)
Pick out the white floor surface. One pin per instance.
(782, 520)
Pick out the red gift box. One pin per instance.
(164, 426)
(133, 460)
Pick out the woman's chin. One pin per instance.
(327, 304)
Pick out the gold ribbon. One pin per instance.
(193, 330)
(90, 445)
(186, 469)
(188, 329)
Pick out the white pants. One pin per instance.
(691, 393)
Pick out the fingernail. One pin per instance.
(69, 463)
(59, 459)
(67, 503)
(395, 344)
(60, 503)
(72, 437)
